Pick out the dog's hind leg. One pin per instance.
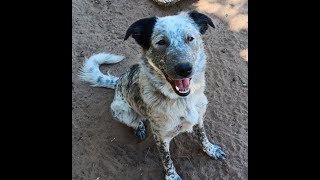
(122, 112)
(214, 151)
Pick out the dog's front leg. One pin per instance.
(163, 147)
(214, 151)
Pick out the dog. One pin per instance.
(166, 87)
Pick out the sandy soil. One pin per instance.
(105, 149)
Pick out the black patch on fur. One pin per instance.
(141, 31)
(140, 132)
(132, 90)
(201, 20)
(132, 72)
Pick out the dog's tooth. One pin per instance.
(177, 88)
(184, 90)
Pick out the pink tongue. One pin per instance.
(182, 84)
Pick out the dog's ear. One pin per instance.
(141, 31)
(201, 20)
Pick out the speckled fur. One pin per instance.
(143, 92)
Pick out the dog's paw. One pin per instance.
(141, 131)
(215, 152)
(173, 177)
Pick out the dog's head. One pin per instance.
(173, 46)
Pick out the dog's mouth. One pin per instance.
(180, 86)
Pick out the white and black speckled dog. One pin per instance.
(166, 87)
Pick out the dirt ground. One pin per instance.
(103, 149)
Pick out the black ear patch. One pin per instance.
(201, 20)
(141, 31)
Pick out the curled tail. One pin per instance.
(91, 73)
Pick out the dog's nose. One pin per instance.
(183, 69)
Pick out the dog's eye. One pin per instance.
(161, 42)
(190, 38)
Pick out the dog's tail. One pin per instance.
(91, 73)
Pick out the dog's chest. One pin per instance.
(178, 121)
(186, 118)
(178, 117)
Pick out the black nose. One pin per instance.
(183, 69)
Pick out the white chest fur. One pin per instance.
(171, 118)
